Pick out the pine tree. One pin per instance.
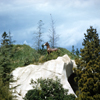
(5, 61)
(4, 39)
(88, 67)
(5, 67)
(77, 52)
(73, 50)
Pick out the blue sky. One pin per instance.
(72, 19)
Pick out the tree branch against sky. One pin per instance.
(38, 35)
(53, 35)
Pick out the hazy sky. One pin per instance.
(72, 19)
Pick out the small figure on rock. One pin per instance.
(49, 50)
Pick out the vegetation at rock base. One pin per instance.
(13, 56)
(87, 72)
(88, 67)
(5, 94)
(49, 89)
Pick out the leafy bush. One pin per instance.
(48, 89)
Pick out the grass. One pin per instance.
(23, 55)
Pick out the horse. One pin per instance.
(49, 50)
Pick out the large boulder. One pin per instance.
(60, 67)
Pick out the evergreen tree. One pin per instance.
(5, 60)
(88, 67)
(77, 52)
(73, 50)
(5, 67)
(5, 39)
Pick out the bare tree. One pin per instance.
(53, 35)
(38, 35)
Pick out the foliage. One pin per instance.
(13, 56)
(65, 51)
(42, 51)
(5, 67)
(88, 67)
(54, 55)
(5, 94)
(48, 90)
(77, 52)
(73, 50)
(22, 55)
(5, 58)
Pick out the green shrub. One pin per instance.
(5, 94)
(52, 55)
(27, 61)
(49, 89)
(42, 59)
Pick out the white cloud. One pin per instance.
(75, 34)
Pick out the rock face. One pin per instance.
(61, 67)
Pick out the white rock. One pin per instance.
(61, 67)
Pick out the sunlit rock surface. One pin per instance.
(60, 67)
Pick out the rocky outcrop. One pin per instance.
(60, 67)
